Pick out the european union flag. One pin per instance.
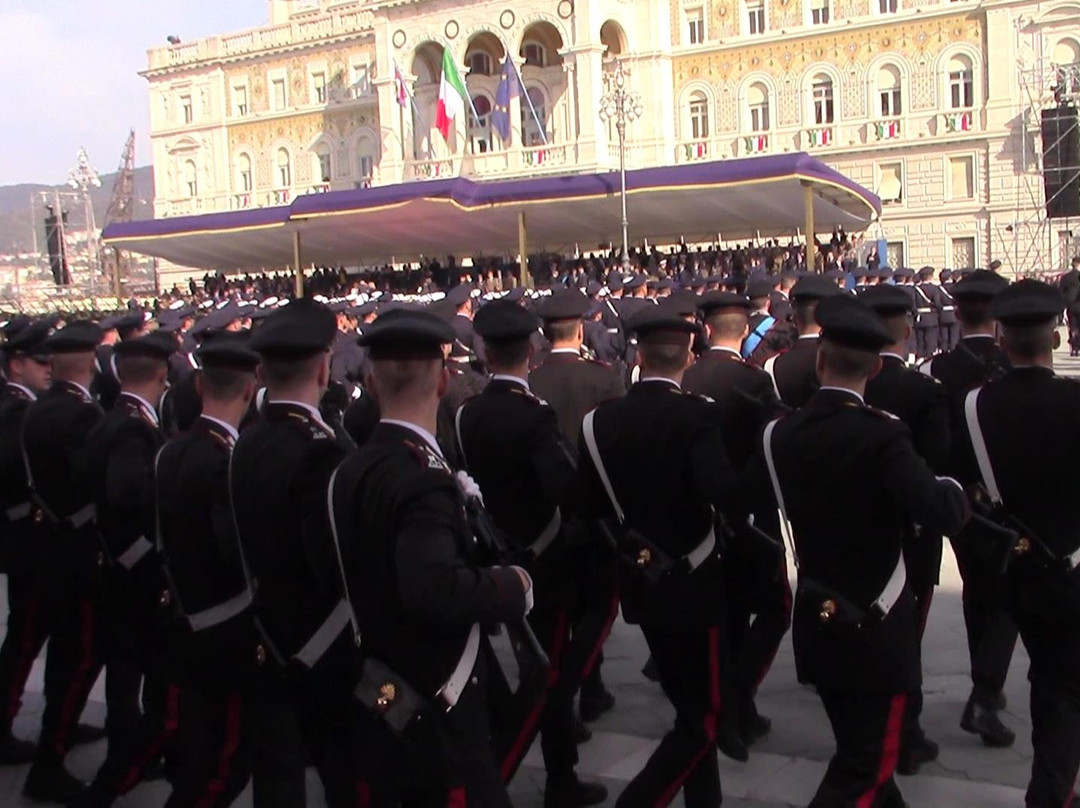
(507, 90)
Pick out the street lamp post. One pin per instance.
(622, 106)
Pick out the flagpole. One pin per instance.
(532, 109)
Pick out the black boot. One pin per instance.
(51, 782)
(15, 752)
(570, 792)
(915, 753)
(87, 733)
(753, 726)
(594, 703)
(582, 734)
(729, 740)
(983, 720)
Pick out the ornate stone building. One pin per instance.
(932, 104)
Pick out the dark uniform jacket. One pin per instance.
(974, 361)
(1028, 420)
(573, 386)
(54, 433)
(795, 372)
(180, 367)
(201, 552)
(466, 336)
(464, 383)
(852, 545)
(923, 405)
(743, 392)
(119, 466)
(106, 386)
(780, 306)
(409, 556)
(663, 450)
(511, 446)
(606, 345)
(928, 303)
(18, 550)
(280, 469)
(348, 361)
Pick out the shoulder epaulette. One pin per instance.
(888, 416)
(426, 457)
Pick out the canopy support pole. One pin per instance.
(808, 210)
(117, 282)
(299, 269)
(523, 251)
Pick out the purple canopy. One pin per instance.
(735, 198)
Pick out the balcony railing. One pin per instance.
(548, 155)
(692, 151)
(885, 129)
(321, 188)
(958, 120)
(819, 137)
(280, 196)
(242, 201)
(754, 144)
(431, 169)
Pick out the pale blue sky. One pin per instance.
(69, 75)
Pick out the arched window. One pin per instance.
(822, 95)
(613, 39)
(244, 180)
(191, 178)
(888, 86)
(1067, 61)
(479, 63)
(531, 133)
(535, 54)
(322, 162)
(961, 82)
(365, 158)
(757, 100)
(284, 168)
(699, 116)
(480, 125)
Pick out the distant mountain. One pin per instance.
(15, 226)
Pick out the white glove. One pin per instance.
(469, 487)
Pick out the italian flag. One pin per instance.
(821, 137)
(451, 96)
(886, 130)
(757, 143)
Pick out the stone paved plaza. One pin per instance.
(784, 768)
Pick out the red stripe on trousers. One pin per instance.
(715, 703)
(890, 750)
(216, 787)
(153, 750)
(590, 662)
(529, 728)
(363, 795)
(456, 798)
(27, 654)
(79, 686)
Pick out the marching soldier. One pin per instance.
(927, 314)
(671, 583)
(280, 468)
(28, 372)
(991, 631)
(855, 625)
(923, 405)
(510, 443)
(573, 385)
(421, 598)
(950, 329)
(55, 429)
(794, 371)
(219, 714)
(1037, 492)
(756, 582)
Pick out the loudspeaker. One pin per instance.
(1061, 161)
(54, 241)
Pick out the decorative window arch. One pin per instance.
(888, 91)
(283, 173)
(367, 153)
(533, 134)
(697, 109)
(535, 53)
(822, 95)
(758, 106)
(322, 161)
(245, 174)
(479, 125)
(1065, 57)
(960, 79)
(191, 179)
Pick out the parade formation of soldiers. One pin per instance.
(387, 536)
